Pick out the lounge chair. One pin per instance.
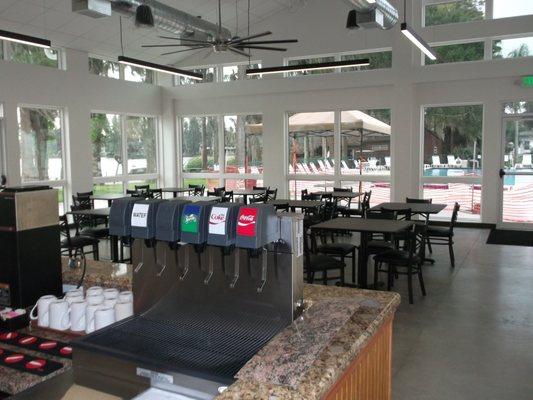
(321, 165)
(435, 162)
(526, 160)
(451, 160)
(387, 163)
(344, 165)
(314, 169)
(328, 165)
(300, 168)
(254, 170)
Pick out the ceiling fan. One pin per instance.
(221, 43)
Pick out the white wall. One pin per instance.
(78, 93)
(405, 89)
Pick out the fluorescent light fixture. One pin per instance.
(308, 67)
(418, 41)
(158, 67)
(25, 39)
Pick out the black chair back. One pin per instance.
(219, 191)
(135, 193)
(455, 214)
(199, 190)
(155, 193)
(265, 188)
(85, 194)
(340, 189)
(227, 196)
(272, 194)
(418, 201)
(303, 194)
(64, 229)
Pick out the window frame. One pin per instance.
(126, 177)
(221, 175)
(7, 52)
(121, 73)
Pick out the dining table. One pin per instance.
(247, 192)
(304, 205)
(337, 195)
(109, 197)
(176, 190)
(366, 227)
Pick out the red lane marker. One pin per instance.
(66, 351)
(15, 358)
(36, 364)
(47, 345)
(27, 340)
(8, 335)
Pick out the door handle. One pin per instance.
(502, 173)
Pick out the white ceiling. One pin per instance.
(54, 20)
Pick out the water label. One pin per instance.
(139, 215)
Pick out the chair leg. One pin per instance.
(353, 266)
(410, 283)
(96, 255)
(429, 245)
(452, 255)
(389, 277)
(421, 280)
(310, 277)
(325, 277)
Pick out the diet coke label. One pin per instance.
(247, 221)
(217, 221)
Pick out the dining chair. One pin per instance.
(362, 209)
(74, 245)
(315, 262)
(439, 235)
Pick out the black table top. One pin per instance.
(416, 208)
(177, 190)
(347, 195)
(364, 225)
(109, 196)
(248, 192)
(93, 212)
(296, 203)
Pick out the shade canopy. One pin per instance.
(324, 121)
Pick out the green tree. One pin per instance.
(456, 11)
(33, 55)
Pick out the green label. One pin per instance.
(190, 219)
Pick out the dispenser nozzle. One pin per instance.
(235, 270)
(186, 266)
(264, 270)
(211, 268)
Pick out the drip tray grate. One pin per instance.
(196, 340)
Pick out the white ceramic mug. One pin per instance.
(73, 297)
(94, 298)
(103, 317)
(123, 310)
(59, 315)
(77, 290)
(109, 303)
(126, 296)
(95, 290)
(78, 315)
(110, 294)
(43, 307)
(89, 316)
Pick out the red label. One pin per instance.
(247, 221)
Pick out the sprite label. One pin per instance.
(190, 219)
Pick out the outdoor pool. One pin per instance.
(509, 180)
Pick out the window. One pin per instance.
(141, 145)
(28, 54)
(378, 60)
(460, 52)
(311, 143)
(116, 138)
(241, 162)
(209, 74)
(243, 144)
(452, 162)
(230, 73)
(41, 148)
(512, 8)
(137, 74)
(41, 144)
(454, 11)
(106, 68)
(365, 142)
(112, 69)
(512, 48)
(296, 187)
(380, 190)
(200, 144)
(518, 107)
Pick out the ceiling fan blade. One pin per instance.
(261, 48)
(270, 41)
(172, 45)
(181, 51)
(186, 39)
(237, 51)
(239, 40)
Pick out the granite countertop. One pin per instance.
(99, 273)
(13, 381)
(306, 359)
(271, 364)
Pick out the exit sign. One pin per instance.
(527, 81)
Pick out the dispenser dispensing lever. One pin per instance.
(235, 271)
(264, 270)
(163, 266)
(141, 263)
(186, 266)
(211, 268)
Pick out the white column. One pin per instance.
(12, 143)
(275, 150)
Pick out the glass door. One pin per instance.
(517, 173)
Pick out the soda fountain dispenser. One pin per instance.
(222, 234)
(120, 221)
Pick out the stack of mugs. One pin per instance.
(97, 309)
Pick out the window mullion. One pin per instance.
(125, 172)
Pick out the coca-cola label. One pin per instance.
(139, 215)
(217, 221)
(247, 221)
(190, 219)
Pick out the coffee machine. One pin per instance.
(233, 281)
